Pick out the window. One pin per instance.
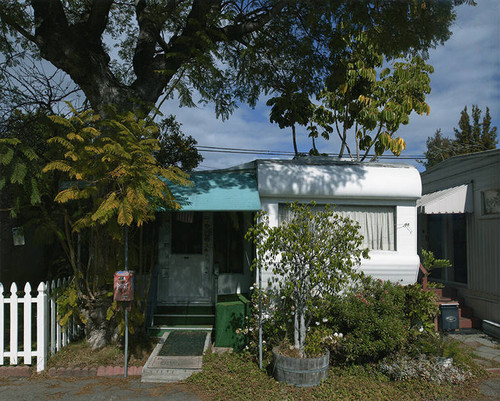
(447, 239)
(491, 202)
(187, 230)
(376, 223)
(229, 233)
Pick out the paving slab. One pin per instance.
(487, 351)
(491, 388)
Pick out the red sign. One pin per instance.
(123, 286)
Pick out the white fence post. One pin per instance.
(65, 329)
(56, 323)
(27, 324)
(14, 305)
(51, 288)
(41, 327)
(50, 336)
(2, 324)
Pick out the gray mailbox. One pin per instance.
(449, 316)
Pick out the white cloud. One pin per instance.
(467, 71)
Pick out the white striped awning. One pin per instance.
(447, 201)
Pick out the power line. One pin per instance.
(221, 149)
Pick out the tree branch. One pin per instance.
(98, 18)
(238, 31)
(49, 18)
(11, 22)
(374, 140)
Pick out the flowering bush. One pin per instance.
(431, 368)
(321, 338)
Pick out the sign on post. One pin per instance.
(123, 286)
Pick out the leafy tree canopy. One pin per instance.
(470, 136)
(131, 53)
(176, 148)
(371, 105)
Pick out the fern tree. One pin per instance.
(109, 179)
(91, 178)
(21, 160)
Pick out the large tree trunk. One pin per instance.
(99, 331)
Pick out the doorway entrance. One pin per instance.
(187, 278)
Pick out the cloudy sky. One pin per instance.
(466, 72)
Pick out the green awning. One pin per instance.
(219, 191)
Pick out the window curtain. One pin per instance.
(376, 223)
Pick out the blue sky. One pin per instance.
(466, 72)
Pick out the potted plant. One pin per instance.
(313, 254)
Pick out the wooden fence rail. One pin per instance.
(32, 316)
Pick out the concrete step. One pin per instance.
(158, 331)
(169, 369)
(166, 375)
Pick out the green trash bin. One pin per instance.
(230, 313)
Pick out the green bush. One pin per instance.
(372, 320)
(365, 324)
(379, 319)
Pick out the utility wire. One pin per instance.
(221, 149)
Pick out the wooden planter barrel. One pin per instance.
(302, 372)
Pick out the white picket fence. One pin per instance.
(40, 311)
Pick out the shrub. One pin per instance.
(320, 338)
(276, 322)
(379, 319)
(372, 320)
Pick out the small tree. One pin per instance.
(109, 179)
(312, 256)
(431, 263)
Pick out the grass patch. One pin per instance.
(80, 354)
(234, 376)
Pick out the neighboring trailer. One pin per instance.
(460, 220)
(381, 196)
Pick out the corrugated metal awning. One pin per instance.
(447, 201)
(222, 190)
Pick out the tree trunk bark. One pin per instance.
(99, 331)
(296, 329)
(302, 333)
(294, 140)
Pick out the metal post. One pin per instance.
(125, 371)
(126, 247)
(126, 341)
(260, 317)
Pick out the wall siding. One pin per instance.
(482, 171)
